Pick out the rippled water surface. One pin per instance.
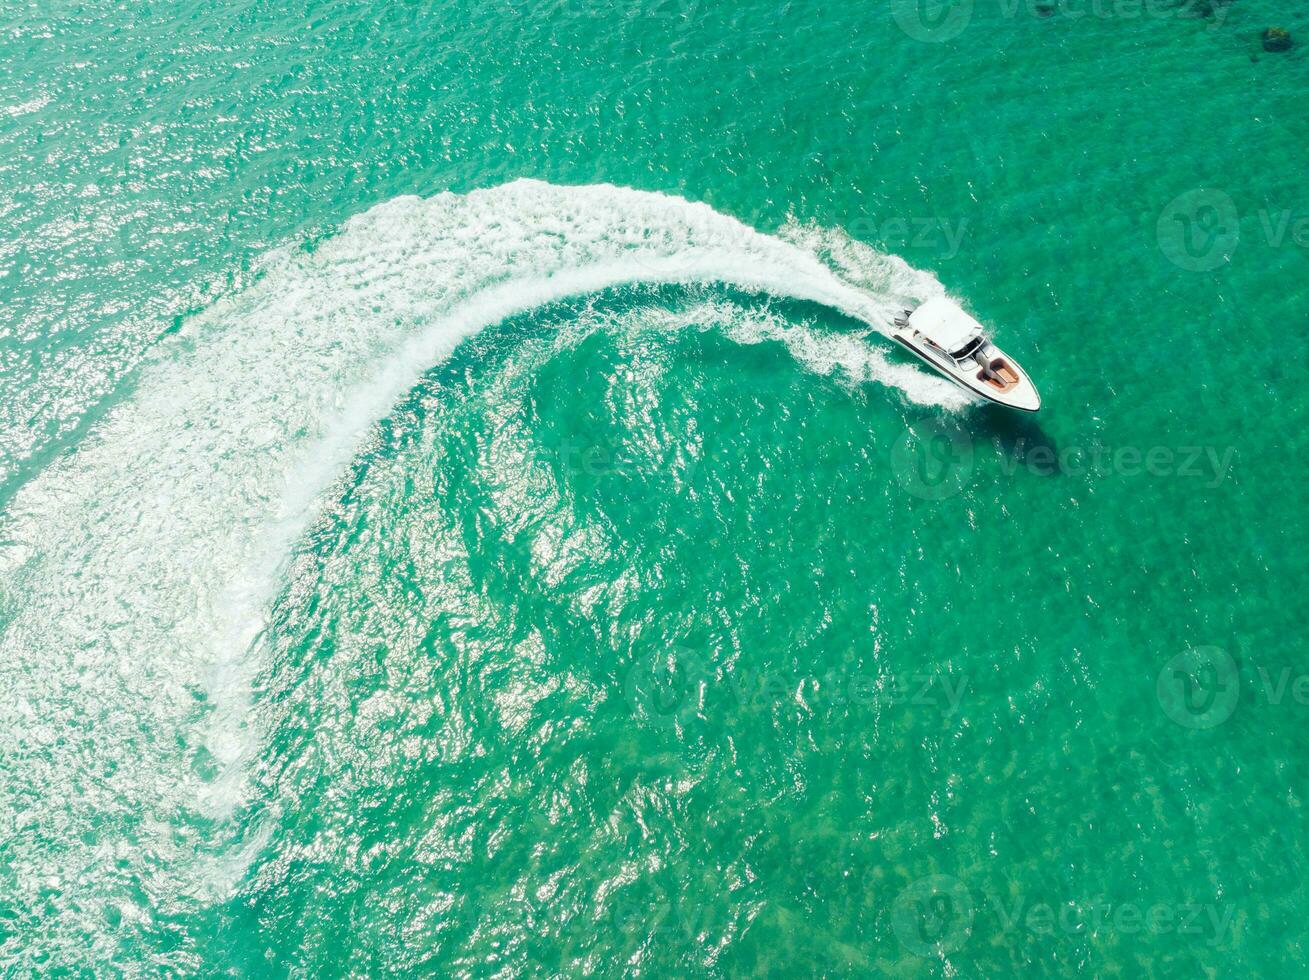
(461, 513)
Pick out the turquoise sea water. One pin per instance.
(460, 514)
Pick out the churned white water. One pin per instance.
(136, 571)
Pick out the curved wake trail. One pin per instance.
(136, 571)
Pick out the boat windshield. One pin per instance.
(968, 348)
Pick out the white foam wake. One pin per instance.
(136, 571)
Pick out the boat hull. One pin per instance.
(1020, 395)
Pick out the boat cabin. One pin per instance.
(944, 323)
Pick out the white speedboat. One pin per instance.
(951, 341)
